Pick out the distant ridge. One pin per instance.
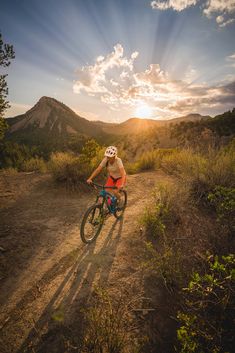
(49, 117)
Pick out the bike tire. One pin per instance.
(119, 213)
(95, 212)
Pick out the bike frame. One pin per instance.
(105, 194)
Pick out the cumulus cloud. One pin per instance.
(223, 10)
(93, 78)
(152, 86)
(219, 6)
(177, 5)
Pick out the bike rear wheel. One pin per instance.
(92, 223)
(121, 204)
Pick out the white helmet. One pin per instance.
(110, 151)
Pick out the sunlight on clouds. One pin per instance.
(151, 92)
(177, 5)
(93, 78)
(224, 10)
(219, 6)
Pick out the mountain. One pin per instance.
(138, 126)
(216, 131)
(50, 126)
(53, 117)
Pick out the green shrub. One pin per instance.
(166, 264)
(34, 164)
(153, 220)
(223, 199)
(207, 322)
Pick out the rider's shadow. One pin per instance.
(96, 272)
(80, 279)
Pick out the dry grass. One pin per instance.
(34, 165)
(110, 324)
(67, 167)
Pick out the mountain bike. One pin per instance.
(106, 204)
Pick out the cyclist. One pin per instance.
(117, 173)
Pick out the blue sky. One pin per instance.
(114, 59)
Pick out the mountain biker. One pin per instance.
(117, 173)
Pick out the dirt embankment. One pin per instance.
(45, 269)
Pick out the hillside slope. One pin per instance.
(51, 122)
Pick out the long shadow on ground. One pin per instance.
(87, 268)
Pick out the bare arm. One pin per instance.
(123, 174)
(94, 174)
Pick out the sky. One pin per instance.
(111, 60)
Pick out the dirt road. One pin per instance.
(46, 273)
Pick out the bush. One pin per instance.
(220, 169)
(202, 172)
(223, 199)
(9, 171)
(165, 208)
(69, 168)
(166, 264)
(13, 155)
(34, 164)
(184, 163)
(110, 324)
(147, 161)
(207, 322)
(75, 169)
(131, 168)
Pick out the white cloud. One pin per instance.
(172, 97)
(153, 86)
(231, 57)
(124, 75)
(152, 75)
(93, 78)
(177, 5)
(224, 10)
(231, 60)
(219, 6)
(229, 21)
(220, 19)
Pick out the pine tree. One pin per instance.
(6, 54)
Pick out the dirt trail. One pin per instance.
(46, 271)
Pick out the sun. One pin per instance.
(143, 111)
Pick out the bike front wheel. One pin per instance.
(92, 223)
